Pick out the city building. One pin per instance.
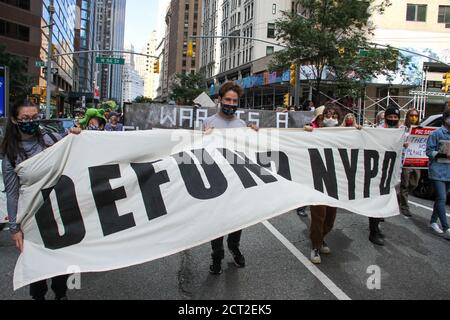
(83, 95)
(183, 19)
(145, 64)
(422, 27)
(243, 60)
(133, 83)
(65, 75)
(110, 34)
(20, 31)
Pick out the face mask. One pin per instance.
(229, 109)
(93, 128)
(330, 122)
(349, 123)
(392, 123)
(29, 128)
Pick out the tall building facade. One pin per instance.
(145, 63)
(210, 48)
(85, 41)
(20, 31)
(183, 19)
(110, 25)
(251, 19)
(63, 41)
(422, 27)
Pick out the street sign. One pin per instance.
(55, 71)
(40, 64)
(110, 60)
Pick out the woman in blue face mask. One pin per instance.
(23, 140)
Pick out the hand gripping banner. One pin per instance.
(102, 201)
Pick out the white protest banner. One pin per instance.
(415, 154)
(102, 201)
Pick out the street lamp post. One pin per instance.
(51, 10)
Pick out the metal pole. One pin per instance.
(51, 10)
(426, 97)
(297, 87)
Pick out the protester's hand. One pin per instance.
(18, 239)
(309, 129)
(75, 130)
(448, 155)
(359, 127)
(253, 127)
(209, 130)
(406, 145)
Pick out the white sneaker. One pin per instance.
(325, 249)
(315, 257)
(436, 228)
(447, 234)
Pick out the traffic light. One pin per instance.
(293, 75)
(446, 83)
(190, 49)
(36, 91)
(286, 100)
(156, 67)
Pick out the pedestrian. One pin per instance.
(391, 121)
(409, 177)
(379, 120)
(23, 140)
(94, 120)
(317, 121)
(350, 121)
(438, 150)
(114, 124)
(229, 96)
(323, 217)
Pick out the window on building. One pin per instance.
(274, 8)
(14, 31)
(444, 14)
(416, 12)
(271, 30)
(22, 4)
(269, 51)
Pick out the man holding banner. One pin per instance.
(229, 96)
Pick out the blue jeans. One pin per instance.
(442, 188)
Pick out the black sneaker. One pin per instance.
(61, 298)
(216, 267)
(239, 259)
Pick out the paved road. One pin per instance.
(415, 264)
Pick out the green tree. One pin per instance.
(20, 83)
(187, 87)
(142, 99)
(331, 39)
